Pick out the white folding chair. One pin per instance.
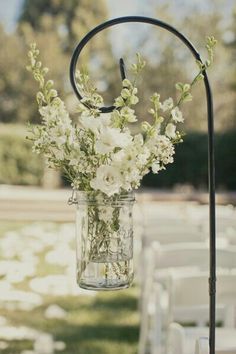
(171, 233)
(187, 259)
(185, 339)
(189, 298)
(168, 223)
(193, 255)
(224, 222)
(186, 289)
(202, 347)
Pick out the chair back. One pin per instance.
(172, 233)
(189, 298)
(202, 347)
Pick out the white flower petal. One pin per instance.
(177, 115)
(170, 130)
(167, 104)
(108, 180)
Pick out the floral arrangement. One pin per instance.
(99, 153)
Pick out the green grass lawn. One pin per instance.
(107, 323)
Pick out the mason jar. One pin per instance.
(104, 240)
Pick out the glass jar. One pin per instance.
(104, 235)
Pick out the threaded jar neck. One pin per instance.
(98, 198)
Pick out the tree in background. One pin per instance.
(15, 84)
(230, 48)
(71, 18)
(215, 24)
(57, 26)
(69, 21)
(159, 48)
(173, 62)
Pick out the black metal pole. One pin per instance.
(211, 160)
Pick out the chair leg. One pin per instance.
(175, 339)
(145, 300)
(202, 346)
(157, 326)
(230, 316)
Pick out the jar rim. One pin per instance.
(102, 198)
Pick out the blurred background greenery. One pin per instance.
(58, 25)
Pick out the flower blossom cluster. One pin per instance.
(100, 153)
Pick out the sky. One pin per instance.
(10, 9)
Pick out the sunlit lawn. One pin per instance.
(106, 323)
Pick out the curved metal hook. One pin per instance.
(114, 22)
(211, 161)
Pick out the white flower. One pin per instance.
(119, 156)
(55, 112)
(167, 104)
(105, 119)
(138, 140)
(177, 115)
(156, 167)
(162, 148)
(170, 130)
(90, 123)
(48, 112)
(110, 138)
(132, 176)
(58, 139)
(142, 158)
(108, 180)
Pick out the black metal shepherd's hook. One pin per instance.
(211, 162)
